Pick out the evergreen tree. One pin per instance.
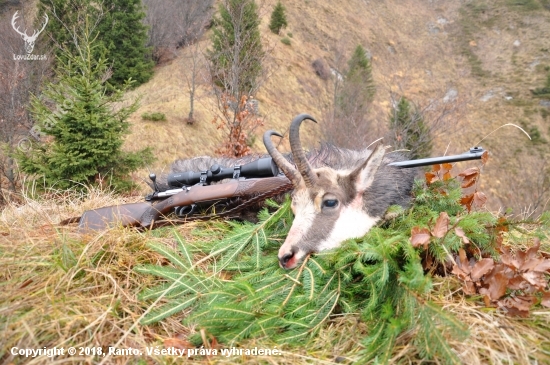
(86, 134)
(124, 37)
(119, 30)
(235, 69)
(409, 131)
(278, 18)
(236, 52)
(354, 91)
(359, 75)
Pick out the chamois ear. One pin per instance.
(363, 176)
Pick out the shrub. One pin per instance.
(84, 147)
(286, 41)
(155, 117)
(278, 18)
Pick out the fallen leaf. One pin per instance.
(519, 259)
(460, 233)
(420, 236)
(481, 268)
(520, 302)
(543, 266)
(468, 288)
(466, 183)
(472, 171)
(479, 199)
(532, 251)
(178, 344)
(427, 262)
(511, 311)
(431, 177)
(447, 166)
(485, 157)
(467, 201)
(535, 278)
(461, 274)
(463, 257)
(441, 225)
(447, 176)
(436, 167)
(518, 283)
(496, 286)
(506, 258)
(545, 302)
(469, 177)
(530, 264)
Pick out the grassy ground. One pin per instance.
(58, 288)
(61, 289)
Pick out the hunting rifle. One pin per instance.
(252, 182)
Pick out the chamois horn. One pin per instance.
(289, 170)
(298, 154)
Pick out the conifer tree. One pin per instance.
(354, 90)
(359, 75)
(117, 24)
(124, 37)
(408, 130)
(278, 18)
(236, 52)
(85, 132)
(235, 62)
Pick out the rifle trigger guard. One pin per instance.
(185, 211)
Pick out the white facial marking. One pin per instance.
(353, 222)
(304, 215)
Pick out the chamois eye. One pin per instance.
(330, 203)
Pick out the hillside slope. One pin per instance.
(470, 64)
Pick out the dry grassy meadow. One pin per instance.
(59, 288)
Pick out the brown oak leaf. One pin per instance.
(441, 225)
(496, 286)
(479, 199)
(420, 236)
(460, 234)
(481, 268)
(545, 299)
(431, 177)
(467, 201)
(485, 157)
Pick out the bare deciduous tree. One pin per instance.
(19, 80)
(194, 65)
(236, 68)
(175, 23)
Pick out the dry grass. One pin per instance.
(419, 49)
(61, 289)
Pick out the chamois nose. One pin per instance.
(283, 261)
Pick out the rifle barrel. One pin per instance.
(475, 153)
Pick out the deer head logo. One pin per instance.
(29, 40)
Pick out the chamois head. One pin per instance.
(329, 204)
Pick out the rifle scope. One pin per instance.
(263, 167)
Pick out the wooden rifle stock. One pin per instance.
(145, 214)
